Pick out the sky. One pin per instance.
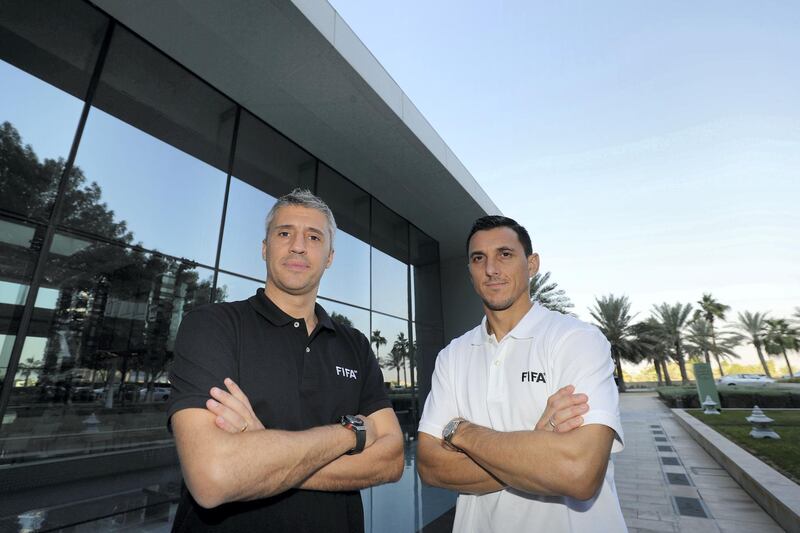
(651, 148)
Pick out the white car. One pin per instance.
(745, 379)
(160, 393)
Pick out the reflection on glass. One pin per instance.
(148, 143)
(389, 284)
(16, 268)
(56, 45)
(244, 230)
(347, 279)
(428, 341)
(268, 161)
(233, 288)
(389, 339)
(93, 369)
(348, 315)
(390, 254)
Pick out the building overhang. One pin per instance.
(300, 68)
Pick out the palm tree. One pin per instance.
(780, 338)
(378, 340)
(341, 319)
(400, 346)
(612, 315)
(673, 320)
(700, 339)
(647, 344)
(660, 354)
(710, 309)
(394, 360)
(548, 294)
(753, 325)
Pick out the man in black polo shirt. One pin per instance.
(293, 462)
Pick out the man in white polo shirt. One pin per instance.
(489, 389)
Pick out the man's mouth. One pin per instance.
(296, 265)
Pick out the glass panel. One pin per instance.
(148, 115)
(233, 288)
(17, 262)
(244, 230)
(351, 316)
(93, 372)
(390, 341)
(58, 43)
(428, 341)
(268, 161)
(426, 300)
(347, 279)
(389, 257)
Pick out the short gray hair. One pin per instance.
(302, 198)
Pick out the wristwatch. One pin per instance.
(450, 429)
(357, 426)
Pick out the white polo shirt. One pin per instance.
(505, 386)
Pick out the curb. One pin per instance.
(778, 495)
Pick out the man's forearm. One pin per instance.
(259, 464)
(543, 463)
(452, 470)
(381, 463)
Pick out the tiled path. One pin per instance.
(667, 482)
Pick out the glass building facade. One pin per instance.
(130, 192)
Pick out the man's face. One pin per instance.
(297, 249)
(499, 269)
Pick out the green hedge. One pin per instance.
(730, 397)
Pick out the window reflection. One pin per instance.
(389, 339)
(233, 288)
(16, 268)
(244, 230)
(348, 315)
(57, 43)
(147, 116)
(347, 279)
(389, 257)
(426, 302)
(93, 369)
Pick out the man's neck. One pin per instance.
(294, 305)
(500, 323)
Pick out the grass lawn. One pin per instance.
(782, 454)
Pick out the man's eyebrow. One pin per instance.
(292, 226)
(505, 249)
(476, 252)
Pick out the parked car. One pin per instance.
(745, 379)
(160, 392)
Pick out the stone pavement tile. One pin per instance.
(734, 526)
(729, 495)
(654, 499)
(741, 512)
(653, 515)
(693, 524)
(664, 508)
(650, 525)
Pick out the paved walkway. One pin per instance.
(667, 482)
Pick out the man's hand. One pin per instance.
(234, 413)
(563, 411)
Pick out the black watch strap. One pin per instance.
(357, 426)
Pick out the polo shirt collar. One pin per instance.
(277, 317)
(523, 330)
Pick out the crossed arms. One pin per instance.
(231, 465)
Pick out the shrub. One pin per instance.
(730, 397)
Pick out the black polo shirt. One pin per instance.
(294, 381)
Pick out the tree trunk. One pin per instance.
(708, 358)
(658, 371)
(791, 374)
(620, 378)
(719, 364)
(667, 379)
(761, 358)
(681, 363)
(398, 375)
(405, 376)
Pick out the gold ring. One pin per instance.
(549, 421)
(244, 427)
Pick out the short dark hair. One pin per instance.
(497, 221)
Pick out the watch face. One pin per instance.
(352, 421)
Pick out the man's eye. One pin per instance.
(477, 258)
(283, 234)
(314, 237)
(506, 254)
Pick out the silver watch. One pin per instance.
(450, 429)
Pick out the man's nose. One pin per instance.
(298, 244)
(491, 267)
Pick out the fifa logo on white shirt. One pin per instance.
(346, 372)
(533, 377)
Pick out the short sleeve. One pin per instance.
(373, 393)
(583, 359)
(440, 406)
(204, 356)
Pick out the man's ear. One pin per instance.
(264, 250)
(329, 262)
(533, 264)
